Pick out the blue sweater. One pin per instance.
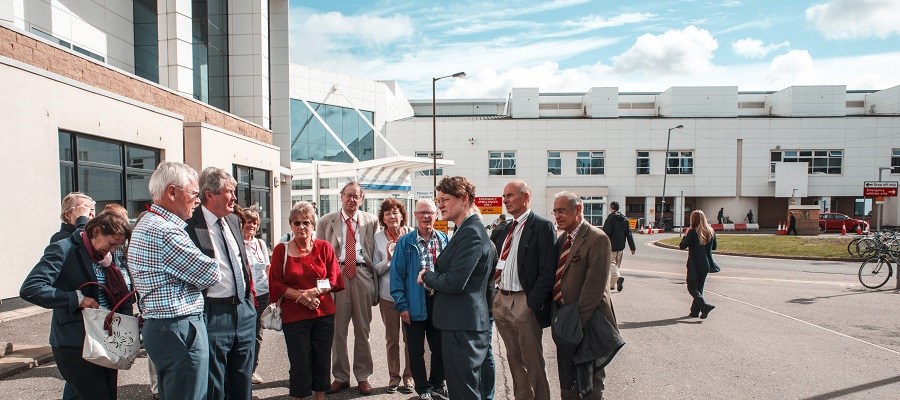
(405, 266)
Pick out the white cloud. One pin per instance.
(851, 19)
(793, 68)
(597, 22)
(763, 23)
(683, 51)
(754, 48)
(334, 26)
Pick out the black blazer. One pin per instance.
(536, 258)
(460, 279)
(52, 283)
(199, 233)
(699, 255)
(498, 235)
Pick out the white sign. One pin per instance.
(425, 195)
(876, 184)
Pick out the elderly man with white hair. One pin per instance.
(170, 274)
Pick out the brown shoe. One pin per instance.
(337, 387)
(364, 388)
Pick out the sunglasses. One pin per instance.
(298, 223)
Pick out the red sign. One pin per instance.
(879, 192)
(488, 201)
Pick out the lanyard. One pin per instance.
(509, 236)
(153, 211)
(253, 244)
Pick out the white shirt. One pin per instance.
(354, 221)
(509, 278)
(225, 287)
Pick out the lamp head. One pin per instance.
(459, 75)
(678, 127)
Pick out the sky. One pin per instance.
(565, 46)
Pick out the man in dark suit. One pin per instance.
(498, 234)
(581, 276)
(351, 232)
(524, 278)
(229, 305)
(460, 280)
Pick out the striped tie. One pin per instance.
(507, 245)
(557, 293)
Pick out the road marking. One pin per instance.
(805, 322)
(746, 278)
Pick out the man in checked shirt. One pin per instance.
(170, 273)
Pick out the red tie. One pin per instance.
(350, 251)
(557, 293)
(507, 244)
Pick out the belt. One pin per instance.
(561, 302)
(223, 300)
(509, 292)
(358, 264)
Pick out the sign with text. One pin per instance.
(880, 189)
(489, 205)
(441, 226)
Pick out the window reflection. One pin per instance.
(311, 141)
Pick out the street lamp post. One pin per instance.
(434, 123)
(881, 210)
(666, 172)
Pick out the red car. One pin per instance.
(830, 221)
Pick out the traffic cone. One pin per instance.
(858, 229)
(844, 230)
(867, 228)
(779, 228)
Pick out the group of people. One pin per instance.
(203, 279)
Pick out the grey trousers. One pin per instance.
(464, 355)
(179, 348)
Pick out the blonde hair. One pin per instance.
(69, 202)
(700, 225)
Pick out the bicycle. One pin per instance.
(876, 271)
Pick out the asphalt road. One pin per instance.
(782, 329)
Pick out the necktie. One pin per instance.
(350, 250)
(232, 261)
(557, 293)
(507, 245)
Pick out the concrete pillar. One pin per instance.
(176, 63)
(279, 82)
(248, 60)
(678, 211)
(649, 204)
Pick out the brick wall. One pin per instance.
(45, 56)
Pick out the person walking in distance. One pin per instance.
(524, 277)
(700, 240)
(619, 231)
(721, 216)
(792, 225)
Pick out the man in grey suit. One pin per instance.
(460, 280)
(352, 234)
(230, 305)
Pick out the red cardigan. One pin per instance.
(301, 273)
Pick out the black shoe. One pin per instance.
(619, 284)
(441, 393)
(406, 389)
(392, 388)
(705, 312)
(695, 314)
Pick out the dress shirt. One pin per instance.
(509, 278)
(225, 288)
(169, 270)
(429, 249)
(354, 220)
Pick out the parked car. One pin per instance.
(830, 221)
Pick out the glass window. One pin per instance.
(502, 163)
(146, 38)
(862, 207)
(589, 163)
(427, 172)
(680, 163)
(593, 212)
(253, 190)
(643, 163)
(895, 161)
(210, 52)
(311, 141)
(821, 162)
(554, 163)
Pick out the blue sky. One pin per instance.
(573, 45)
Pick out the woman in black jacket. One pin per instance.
(54, 283)
(77, 210)
(700, 240)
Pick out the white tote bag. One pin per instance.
(271, 316)
(111, 340)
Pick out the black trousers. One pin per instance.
(792, 228)
(309, 353)
(89, 380)
(417, 332)
(262, 301)
(695, 288)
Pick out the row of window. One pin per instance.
(678, 162)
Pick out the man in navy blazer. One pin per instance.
(460, 280)
(524, 280)
(229, 305)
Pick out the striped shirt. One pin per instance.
(169, 271)
(101, 279)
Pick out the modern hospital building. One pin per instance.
(97, 92)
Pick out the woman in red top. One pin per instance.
(309, 273)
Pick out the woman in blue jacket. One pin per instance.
(86, 256)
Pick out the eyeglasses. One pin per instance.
(561, 210)
(194, 194)
(351, 196)
(425, 213)
(298, 223)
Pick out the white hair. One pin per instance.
(170, 173)
(573, 199)
(214, 179)
(429, 202)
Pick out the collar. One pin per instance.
(577, 228)
(523, 217)
(345, 217)
(167, 215)
(210, 218)
(419, 237)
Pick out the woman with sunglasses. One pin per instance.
(305, 271)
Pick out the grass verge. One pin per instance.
(779, 245)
